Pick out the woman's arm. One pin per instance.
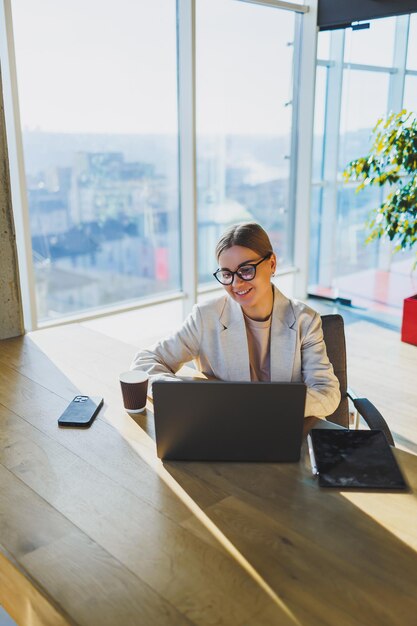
(323, 390)
(165, 358)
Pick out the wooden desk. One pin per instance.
(95, 530)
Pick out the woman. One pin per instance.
(253, 332)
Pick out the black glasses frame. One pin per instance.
(254, 265)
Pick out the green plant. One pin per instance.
(392, 160)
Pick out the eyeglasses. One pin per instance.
(247, 271)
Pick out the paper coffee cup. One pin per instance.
(134, 386)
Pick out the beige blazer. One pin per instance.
(214, 337)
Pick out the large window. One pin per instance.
(361, 76)
(113, 98)
(244, 70)
(98, 97)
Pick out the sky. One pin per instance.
(107, 66)
(102, 66)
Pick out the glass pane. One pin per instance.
(315, 232)
(319, 120)
(97, 86)
(412, 43)
(372, 46)
(410, 93)
(353, 211)
(323, 45)
(364, 101)
(244, 84)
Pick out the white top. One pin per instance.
(259, 334)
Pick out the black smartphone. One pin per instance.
(81, 411)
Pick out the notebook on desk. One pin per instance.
(358, 459)
(228, 421)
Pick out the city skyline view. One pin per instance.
(104, 209)
(105, 215)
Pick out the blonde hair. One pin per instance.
(248, 235)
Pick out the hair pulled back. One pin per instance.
(248, 235)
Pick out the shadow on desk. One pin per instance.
(327, 553)
(146, 421)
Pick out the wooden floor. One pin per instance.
(384, 369)
(378, 290)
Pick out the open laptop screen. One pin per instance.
(229, 421)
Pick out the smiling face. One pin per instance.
(254, 296)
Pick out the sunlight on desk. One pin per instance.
(217, 534)
(389, 510)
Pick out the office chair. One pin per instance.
(334, 338)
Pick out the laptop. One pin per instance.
(228, 421)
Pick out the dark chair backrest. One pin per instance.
(334, 338)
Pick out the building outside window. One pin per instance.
(98, 97)
(98, 106)
(244, 76)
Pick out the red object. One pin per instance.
(161, 264)
(409, 325)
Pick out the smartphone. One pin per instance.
(81, 411)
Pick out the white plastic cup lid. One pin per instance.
(133, 376)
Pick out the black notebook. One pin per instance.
(354, 459)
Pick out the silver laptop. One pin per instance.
(228, 421)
